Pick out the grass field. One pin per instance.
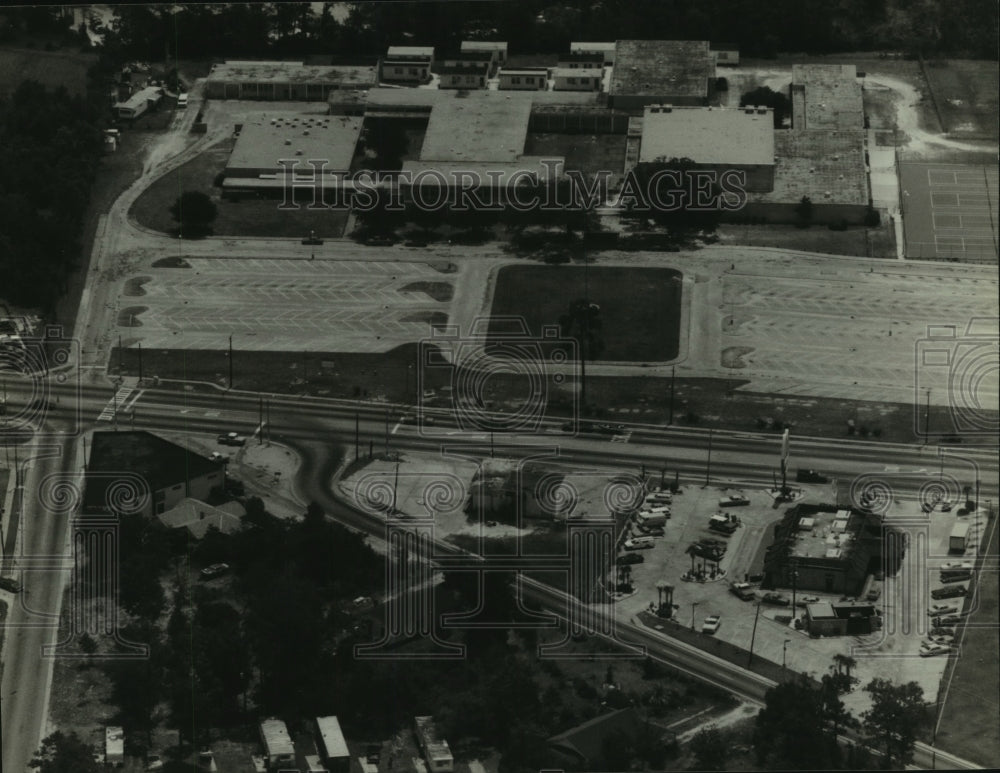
(877, 242)
(51, 68)
(640, 307)
(247, 217)
(966, 93)
(969, 717)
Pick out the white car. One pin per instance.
(639, 543)
(711, 624)
(956, 566)
(930, 650)
(942, 609)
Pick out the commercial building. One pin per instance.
(285, 81)
(824, 618)
(139, 103)
(497, 47)
(271, 146)
(279, 752)
(408, 64)
(715, 138)
(657, 72)
(114, 746)
(434, 748)
(571, 79)
(333, 748)
(470, 75)
(139, 472)
(826, 96)
(523, 78)
(606, 50)
(197, 517)
(825, 549)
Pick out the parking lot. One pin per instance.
(284, 305)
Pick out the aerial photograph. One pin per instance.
(500, 386)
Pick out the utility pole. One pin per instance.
(387, 432)
(673, 376)
(927, 418)
(395, 487)
(708, 463)
(357, 430)
(267, 419)
(753, 635)
(140, 362)
(230, 362)
(693, 605)
(121, 355)
(795, 583)
(260, 419)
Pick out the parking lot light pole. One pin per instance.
(693, 605)
(784, 649)
(753, 634)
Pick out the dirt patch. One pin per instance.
(439, 291)
(966, 95)
(876, 242)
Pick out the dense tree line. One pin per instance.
(50, 148)
(931, 27)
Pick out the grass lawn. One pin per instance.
(966, 93)
(640, 307)
(876, 242)
(247, 217)
(969, 717)
(587, 153)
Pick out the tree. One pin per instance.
(66, 753)
(790, 732)
(765, 97)
(194, 211)
(616, 750)
(709, 749)
(804, 211)
(894, 719)
(582, 322)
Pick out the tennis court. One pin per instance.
(949, 211)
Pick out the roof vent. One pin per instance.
(761, 110)
(288, 142)
(827, 194)
(298, 152)
(748, 109)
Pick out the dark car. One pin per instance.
(952, 591)
(10, 584)
(775, 598)
(214, 570)
(631, 558)
(811, 476)
(379, 241)
(960, 575)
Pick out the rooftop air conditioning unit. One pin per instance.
(748, 109)
(667, 108)
(306, 133)
(762, 110)
(288, 142)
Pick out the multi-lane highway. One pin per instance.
(314, 427)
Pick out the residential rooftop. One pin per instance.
(423, 51)
(292, 72)
(140, 98)
(708, 135)
(276, 738)
(826, 96)
(465, 68)
(827, 166)
(469, 55)
(577, 72)
(484, 45)
(679, 68)
(265, 139)
(332, 736)
(138, 454)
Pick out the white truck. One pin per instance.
(651, 519)
(958, 540)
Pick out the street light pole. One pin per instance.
(708, 463)
(753, 634)
(784, 649)
(927, 417)
(693, 605)
(230, 362)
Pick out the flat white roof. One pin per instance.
(483, 45)
(265, 139)
(577, 72)
(411, 51)
(139, 98)
(333, 739)
(114, 742)
(276, 738)
(708, 135)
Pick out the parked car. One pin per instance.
(379, 241)
(742, 590)
(154, 762)
(941, 609)
(930, 650)
(806, 600)
(734, 500)
(630, 558)
(946, 620)
(955, 565)
(945, 639)
(11, 585)
(775, 598)
(952, 591)
(711, 624)
(955, 575)
(639, 543)
(943, 630)
(218, 457)
(946, 507)
(182, 102)
(214, 570)
(231, 439)
(652, 531)
(811, 476)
